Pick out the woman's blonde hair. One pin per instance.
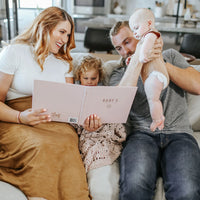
(38, 35)
(88, 63)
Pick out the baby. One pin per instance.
(154, 73)
(100, 148)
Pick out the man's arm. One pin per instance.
(132, 73)
(133, 70)
(188, 79)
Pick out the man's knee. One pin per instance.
(184, 190)
(136, 188)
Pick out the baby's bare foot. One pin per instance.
(157, 124)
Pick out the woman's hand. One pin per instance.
(92, 123)
(34, 117)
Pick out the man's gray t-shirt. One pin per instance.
(173, 99)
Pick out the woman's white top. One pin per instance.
(18, 60)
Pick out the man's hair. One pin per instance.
(38, 35)
(117, 27)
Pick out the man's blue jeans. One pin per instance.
(176, 157)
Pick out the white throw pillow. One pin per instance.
(109, 66)
(9, 192)
(103, 182)
(77, 58)
(194, 107)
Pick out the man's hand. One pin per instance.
(153, 53)
(157, 50)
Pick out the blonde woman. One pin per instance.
(38, 156)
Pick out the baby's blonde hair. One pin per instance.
(142, 14)
(88, 63)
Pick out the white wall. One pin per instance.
(25, 18)
(169, 39)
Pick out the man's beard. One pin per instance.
(123, 60)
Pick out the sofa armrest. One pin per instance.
(195, 62)
(196, 134)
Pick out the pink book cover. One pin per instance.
(74, 103)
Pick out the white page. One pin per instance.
(112, 104)
(62, 101)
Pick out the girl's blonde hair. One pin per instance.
(38, 35)
(88, 63)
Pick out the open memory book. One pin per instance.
(74, 103)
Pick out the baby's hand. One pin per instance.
(92, 123)
(157, 124)
(128, 59)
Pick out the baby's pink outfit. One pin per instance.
(101, 147)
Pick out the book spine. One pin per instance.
(81, 121)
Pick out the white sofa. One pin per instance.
(9, 192)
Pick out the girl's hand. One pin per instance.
(92, 123)
(33, 117)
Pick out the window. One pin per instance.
(38, 3)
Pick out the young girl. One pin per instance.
(154, 73)
(100, 148)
